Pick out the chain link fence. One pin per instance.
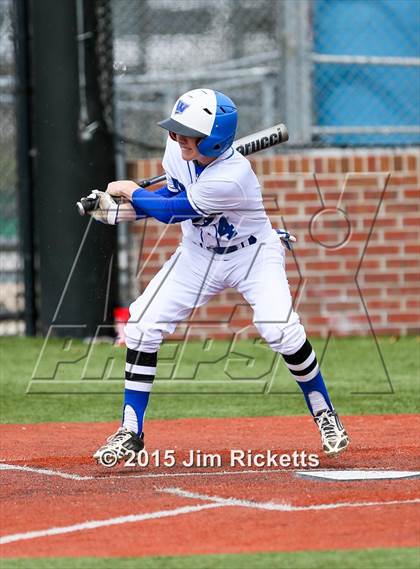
(336, 72)
(366, 81)
(163, 48)
(11, 285)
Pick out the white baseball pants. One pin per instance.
(193, 275)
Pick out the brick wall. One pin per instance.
(356, 262)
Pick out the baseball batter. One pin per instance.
(228, 241)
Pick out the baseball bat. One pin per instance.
(247, 145)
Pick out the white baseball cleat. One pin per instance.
(333, 435)
(119, 445)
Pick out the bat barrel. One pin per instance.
(262, 139)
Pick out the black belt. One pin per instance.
(224, 250)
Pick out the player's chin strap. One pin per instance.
(286, 237)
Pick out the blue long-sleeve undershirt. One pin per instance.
(163, 205)
(165, 192)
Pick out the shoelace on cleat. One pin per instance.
(117, 438)
(328, 428)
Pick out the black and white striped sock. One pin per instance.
(140, 371)
(303, 364)
(304, 367)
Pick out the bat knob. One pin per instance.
(90, 203)
(80, 209)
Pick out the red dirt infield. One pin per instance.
(76, 508)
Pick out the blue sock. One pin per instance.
(304, 367)
(135, 404)
(316, 394)
(140, 371)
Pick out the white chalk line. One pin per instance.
(281, 507)
(205, 473)
(49, 472)
(215, 502)
(70, 476)
(45, 471)
(94, 524)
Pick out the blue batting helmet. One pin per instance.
(206, 114)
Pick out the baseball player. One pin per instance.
(228, 241)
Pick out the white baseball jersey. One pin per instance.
(227, 193)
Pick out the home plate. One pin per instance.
(348, 475)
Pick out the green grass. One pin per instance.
(355, 375)
(366, 559)
(223, 383)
